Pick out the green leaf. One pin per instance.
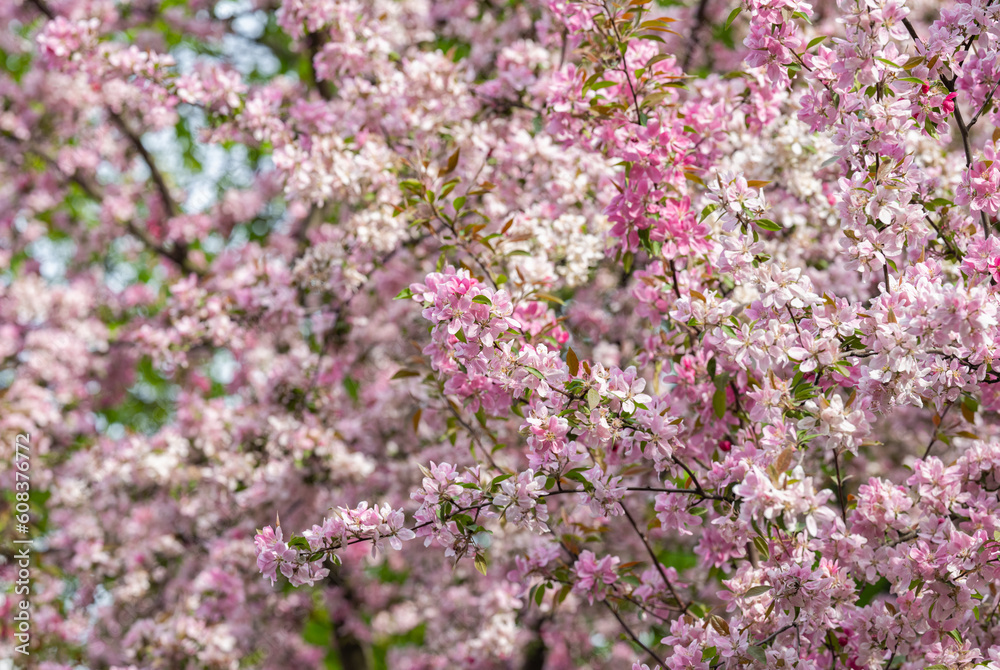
(551, 298)
(352, 386)
(317, 633)
(535, 372)
(299, 542)
(461, 336)
(411, 185)
(500, 478)
(404, 294)
(593, 398)
(767, 224)
(757, 591)
(483, 300)
(757, 654)
(719, 402)
(814, 41)
(452, 163)
(698, 610)
(573, 362)
(654, 98)
(762, 549)
(481, 564)
(732, 16)
(403, 374)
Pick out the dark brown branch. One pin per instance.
(690, 492)
(913, 33)
(943, 238)
(628, 76)
(43, 8)
(536, 652)
(963, 129)
(656, 561)
(699, 23)
(694, 480)
(774, 635)
(315, 44)
(934, 436)
(986, 104)
(177, 254)
(673, 275)
(634, 637)
(840, 487)
(161, 185)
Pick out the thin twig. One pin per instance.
(694, 480)
(963, 129)
(775, 634)
(44, 9)
(628, 76)
(634, 637)
(934, 436)
(986, 103)
(692, 492)
(840, 486)
(315, 44)
(177, 254)
(699, 22)
(656, 561)
(161, 185)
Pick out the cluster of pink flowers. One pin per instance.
(349, 526)
(980, 187)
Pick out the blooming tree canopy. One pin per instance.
(527, 334)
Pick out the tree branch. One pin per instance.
(656, 561)
(840, 487)
(177, 254)
(962, 127)
(43, 8)
(634, 637)
(161, 185)
(699, 22)
(315, 44)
